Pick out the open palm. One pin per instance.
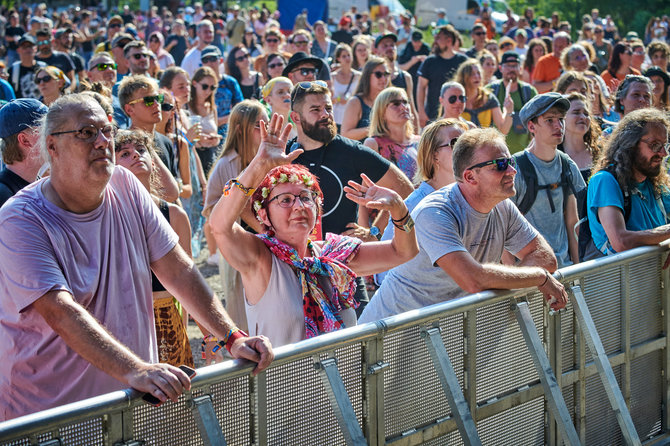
(273, 142)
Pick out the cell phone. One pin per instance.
(149, 398)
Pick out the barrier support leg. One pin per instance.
(551, 389)
(452, 389)
(604, 367)
(340, 402)
(208, 424)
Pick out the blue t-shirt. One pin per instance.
(645, 212)
(227, 95)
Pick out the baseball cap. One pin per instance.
(119, 38)
(416, 36)
(384, 36)
(510, 56)
(540, 104)
(27, 38)
(210, 50)
(60, 31)
(20, 114)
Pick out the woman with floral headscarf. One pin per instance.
(295, 288)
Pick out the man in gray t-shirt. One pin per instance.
(554, 211)
(462, 230)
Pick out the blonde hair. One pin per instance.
(241, 124)
(464, 72)
(429, 145)
(378, 125)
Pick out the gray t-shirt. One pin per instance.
(550, 224)
(446, 223)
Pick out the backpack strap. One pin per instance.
(527, 171)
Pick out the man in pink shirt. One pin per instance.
(76, 250)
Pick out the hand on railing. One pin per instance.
(554, 292)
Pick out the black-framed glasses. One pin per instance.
(149, 100)
(479, 33)
(657, 146)
(303, 86)
(89, 133)
(287, 199)
(451, 144)
(272, 40)
(45, 79)
(206, 87)
(209, 59)
(166, 107)
(139, 56)
(272, 66)
(105, 66)
(501, 164)
(380, 74)
(241, 58)
(115, 25)
(454, 98)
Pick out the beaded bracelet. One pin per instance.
(210, 338)
(247, 191)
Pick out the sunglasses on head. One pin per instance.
(105, 66)
(242, 57)
(39, 80)
(166, 107)
(501, 164)
(210, 59)
(206, 87)
(149, 100)
(454, 98)
(139, 56)
(380, 74)
(272, 66)
(303, 86)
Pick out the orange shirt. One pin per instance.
(613, 82)
(547, 68)
(490, 27)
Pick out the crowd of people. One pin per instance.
(316, 165)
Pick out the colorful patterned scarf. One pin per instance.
(321, 312)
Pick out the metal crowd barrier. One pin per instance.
(491, 368)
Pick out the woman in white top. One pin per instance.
(296, 289)
(345, 80)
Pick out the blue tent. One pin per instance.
(289, 9)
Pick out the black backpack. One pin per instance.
(588, 249)
(527, 171)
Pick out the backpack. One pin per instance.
(587, 248)
(527, 171)
(526, 94)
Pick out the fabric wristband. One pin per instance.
(248, 191)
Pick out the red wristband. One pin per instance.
(233, 337)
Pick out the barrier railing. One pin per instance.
(489, 368)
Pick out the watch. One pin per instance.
(409, 224)
(375, 232)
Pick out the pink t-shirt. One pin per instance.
(102, 258)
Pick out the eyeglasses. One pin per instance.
(242, 57)
(454, 98)
(479, 33)
(272, 40)
(154, 40)
(501, 164)
(166, 107)
(210, 59)
(115, 25)
(300, 42)
(657, 146)
(272, 66)
(287, 199)
(90, 133)
(451, 144)
(206, 87)
(43, 42)
(304, 86)
(399, 102)
(149, 100)
(39, 80)
(598, 31)
(105, 66)
(380, 74)
(305, 71)
(139, 56)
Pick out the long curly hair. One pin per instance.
(621, 148)
(592, 136)
(464, 72)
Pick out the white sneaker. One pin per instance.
(213, 260)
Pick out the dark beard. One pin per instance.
(645, 167)
(320, 132)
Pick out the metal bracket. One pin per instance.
(551, 389)
(604, 367)
(377, 367)
(208, 424)
(452, 389)
(340, 402)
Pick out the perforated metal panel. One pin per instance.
(520, 425)
(603, 291)
(231, 404)
(413, 395)
(645, 296)
(646, 394)
(170, 423)
(601, 424)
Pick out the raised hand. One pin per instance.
(273, 143)
(368, 194)
(509, 102)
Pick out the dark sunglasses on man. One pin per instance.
(501, 164)
(149, 100)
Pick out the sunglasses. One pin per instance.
(480, 33)
(149, 100)
(300, 42)
(105, 66)
(166, 107)
(206, 87)
(45, 79)
(454, 98)
(90, 133)
(43, 42)
(451, 144)
(154, 40)
(272, 40)
(305, 71)
(272, 66)
(139, 56)
(299, 87)
(399, 102)
(210, 59)
(501, 164)
(241, 58)
(115, 25)
(380, 74)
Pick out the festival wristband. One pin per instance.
(247, 191)
(546, 278)
(400, 219)
(233, 335)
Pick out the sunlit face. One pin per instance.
(205, 87)
(579, 60)
(379, 78)
(362, 54)
(47, 85)
(290, 223)
(659, 85)
(443, 158)
(345, 58)
(397, 112)
(538, 51)
(280, 97)
(387, 48)
(639, 96)
(510, 71)
(489, 66)
(276, 66)
(135, 158)
(492, 183)
(660, 60)
(453, 102)
(578, 119)
(577, 87)
(647, 162)
(181, 88)
(549, 128)
(474, 80)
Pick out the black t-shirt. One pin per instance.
(407, 55)
(26, 87)
(179, 50)
(342, 36)
(78, 61)
(334, 165)
(10, 184)
(14, 31)
(58, 60)
(438, 70)
(166, 152)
